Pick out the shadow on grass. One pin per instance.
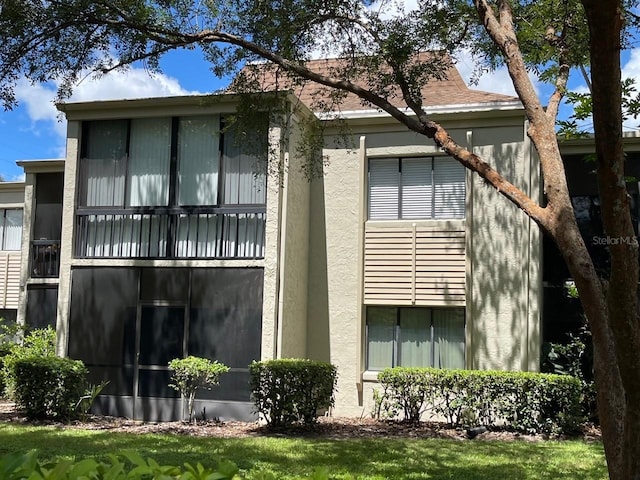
(362, 458)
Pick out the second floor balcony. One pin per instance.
(45, 258)
(200, 232)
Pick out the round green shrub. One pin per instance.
(289, 391)
(48, 387)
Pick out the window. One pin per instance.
(128, 163)
(170, 187)
(416, 188)
(10, 229)
(415, 337)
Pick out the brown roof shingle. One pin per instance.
(445, 91)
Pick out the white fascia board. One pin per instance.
(438, 110)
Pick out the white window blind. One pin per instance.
(244, 170)
(449, 188)
(198, 160)
(415, 337)
(102, 171)
(11, 229)
(416, 188)
(149, 156)
(383, 189)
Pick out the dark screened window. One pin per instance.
(42, 307)
(48, 217)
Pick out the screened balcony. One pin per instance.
(171, 233)
(172, 187)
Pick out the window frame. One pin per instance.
(166, 220)
(433, 160)
(3, 228)
(396, 360)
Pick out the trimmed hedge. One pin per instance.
(40, 342)
(520, 401)
(48, 387)
(291, 390)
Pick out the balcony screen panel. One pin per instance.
(381, 326)
(42, 307)
(417, 189)
(103, 167)
(449, 195)
(244, 169)
(233, 386)
(161, 334)
(198, 160)
(415, 337)
(164, 284)
(102, 320)
(11, 229)
(448, 327)
(383, 189)
(48, 218)
(226, 312)
(149, 155)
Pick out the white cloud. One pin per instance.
(496, 81)
(38, 100)
(631, 69)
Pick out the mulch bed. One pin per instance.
(327, 428)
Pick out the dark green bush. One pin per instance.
(48, 387)
(521, 401)
(9, 333)
(39, 342)
(290, 391)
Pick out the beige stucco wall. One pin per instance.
(503, 253)
(504, 284)
(334, 313)
(294, 257)
(66, 240)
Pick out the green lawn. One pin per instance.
(362, 459)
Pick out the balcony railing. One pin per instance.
(45, 258)
(197, 232)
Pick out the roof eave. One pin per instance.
(504, 106)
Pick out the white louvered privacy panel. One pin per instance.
(414, 265)
(9, 279)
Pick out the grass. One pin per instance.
(288, 458)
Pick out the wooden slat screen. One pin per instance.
(409, 265)
(9, 279)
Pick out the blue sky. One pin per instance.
(34, 130)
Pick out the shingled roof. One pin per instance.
(447, 91)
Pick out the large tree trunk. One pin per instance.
(610, 394)
(623, 452)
